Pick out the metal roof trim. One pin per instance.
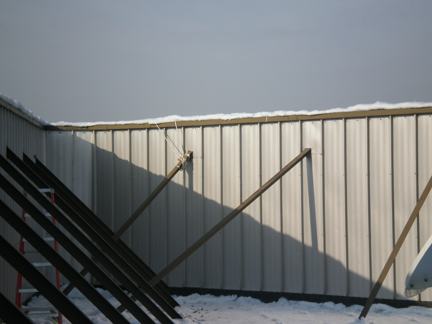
(251, 120)
(19, 112)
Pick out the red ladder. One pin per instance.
(19, 289)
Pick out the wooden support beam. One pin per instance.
(11, 314)
(45, 287)
(72, 200)
(227, 219)
(105, 243)
(396, 249)
(64, 267)
(151, 197)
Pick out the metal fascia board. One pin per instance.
(251, 120)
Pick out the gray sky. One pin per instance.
(104, 60)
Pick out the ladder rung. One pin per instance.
(49, 313)
(42, 264)
(38, 309)
(46, 214)
(28, 290)
(46, 190)
(46, 238)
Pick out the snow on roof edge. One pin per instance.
(16, 104)
(175, 118)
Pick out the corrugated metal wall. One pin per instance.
(20, 135)
(327, 228)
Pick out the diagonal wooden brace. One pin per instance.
(152, 196)
(396, 249)
(227, 219)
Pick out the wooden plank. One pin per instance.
(396, 249)
(228, 218)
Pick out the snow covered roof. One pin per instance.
(22, 110)
(170, 121)
(176, 118)
(361, 110)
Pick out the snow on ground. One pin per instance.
(246, 310)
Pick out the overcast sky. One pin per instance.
(104, 60)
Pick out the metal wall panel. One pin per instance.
(194, 207)
(405, 195)
(82, 175)
(381, 201)
(20, 136)
(60, 160)
(271, 208)
(105, 178)
(309, 233)
(232, 234)
(292, 257)
(140, 191)
(122, 182)
(313, 233)
(213, 257)
(251, 216)
(60, 148)
(158, 208)
(82, 168)
(176, 207)
(357, 207)
(335, 216)
(424, 174)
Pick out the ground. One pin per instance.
(241, 310)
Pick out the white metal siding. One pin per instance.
(158, 209)
(405, 193)
(424, 173)
(313, 231)
(327, 228)
(20, 136)
(334, 202)
(232, 265)
(271, 209)
(251, 181)
(122, 182)
(213, 261)
(105, 178)
(381, 200)
(292, 257)
(194, 220)
(176, 208)
(140, 190)
(357, 207)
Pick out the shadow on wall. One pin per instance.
(250, 253)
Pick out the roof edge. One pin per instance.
(18, 109)
(383, 112)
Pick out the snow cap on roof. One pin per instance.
(176, 118)
(16, 104)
